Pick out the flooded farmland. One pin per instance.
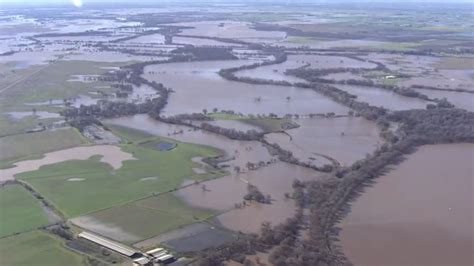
(224, 193)
(197, 80)
(385, 98)
(420, 213)
(237, 132)
(238, 152)
(111, 155)
(344, 139)
(277, 72)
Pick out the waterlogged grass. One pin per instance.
(19, 211)
(156, 215)
(10, 127)
(399, 46)
(224, 116)
(52, 83)
(26, 146)
(102, 187)
(267, 124)
(37, 248)
(129, 134)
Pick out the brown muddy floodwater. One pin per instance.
(240, 152)
(111, 155)
(421, 213)
(222, 194)
(277, 72)
(345, 139)
(464, 100)
(385, 98)
(198, 86)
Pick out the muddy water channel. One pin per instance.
(222, 194)
(420, 213)
(277, 71)
(462, 100)
(198, 86)
(385, 98)
(344, 139)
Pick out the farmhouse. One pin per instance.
(117, 247)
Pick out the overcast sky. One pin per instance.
(85, 2)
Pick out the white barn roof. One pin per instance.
(164, 258)
(153, 251)
(122, 249)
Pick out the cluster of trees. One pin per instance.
(7, 53)
(253, 194)
(279, 56)
(123, 87)
(329, 200)
(233, 133)
(287, 156)
(440, 89)
(219, 39)
(283, 234)
(364, 109)
(205, 53)
(313, 75)
(184, 118)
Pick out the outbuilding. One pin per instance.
(117, 247)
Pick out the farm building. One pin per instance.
(152, 252)
(141, 261)
(117, 247)
(167, 258)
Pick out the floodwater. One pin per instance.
(345, 139)
(108, 56)
(462, 100)
(420, 213)
(230, 29)
(111, 155)
(222, 194)
(239, 152)
(385, 98)
(107, 229)
(152, 38)
(39, 114)
(194, 83)
(192, 237)
(276, 72)
(234, 124)
(201, 42)
(443, 78)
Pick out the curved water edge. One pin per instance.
(111, 155)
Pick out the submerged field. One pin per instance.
(101, 186)
(248, 125)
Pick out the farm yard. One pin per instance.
(235, 134)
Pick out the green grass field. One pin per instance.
(51, 82)
(149, 217)
(36, 248)
(10, 127)
(267, 124)
(129, 134)
(105, 187)
(25, 146)
(19, 211)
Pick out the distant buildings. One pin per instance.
(157, 255)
